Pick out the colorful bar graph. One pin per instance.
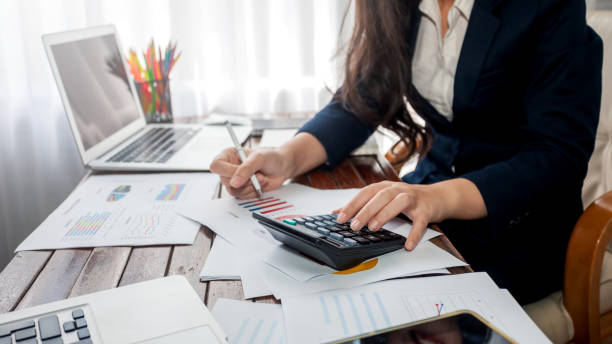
(88, 225)
(170, 192)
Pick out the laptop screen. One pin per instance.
(96, 86)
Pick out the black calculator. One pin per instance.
(334, 244)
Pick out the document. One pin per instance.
(334, 315)
(232, 219)
(213, 140)
(222, 262)
(401, 263)
(124, 210)
(249, 322)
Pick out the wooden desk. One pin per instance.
(37, 277)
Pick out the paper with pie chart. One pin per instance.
(124, 210)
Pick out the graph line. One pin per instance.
(382, 309)
(241, 330)
(271, 332)
(256, 331)
(354, 309)
(325, 311)
(369, 310)
(340, 314)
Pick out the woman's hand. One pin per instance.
(270, 167)
(377, 204)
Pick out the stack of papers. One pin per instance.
(124, 210)
(334, 315)
(266, 267)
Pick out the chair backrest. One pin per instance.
(599, 176)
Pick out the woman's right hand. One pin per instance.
(269, 165)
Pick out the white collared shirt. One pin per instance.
(435, 60)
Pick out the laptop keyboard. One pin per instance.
(157, 145)
(64, 327)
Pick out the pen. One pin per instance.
(243, 157)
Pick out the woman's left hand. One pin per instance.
(377, 204)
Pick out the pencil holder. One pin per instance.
(155, 100)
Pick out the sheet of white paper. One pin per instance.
(339, 314)
(222, 262)
(425, 257)
(276, 137)
(253, 284)
(124, 210)
(232, 219)
(249, 322)
(213, 140)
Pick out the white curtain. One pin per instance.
(239, 56)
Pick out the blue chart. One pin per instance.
(170, 192)
(258, 331)
(349, 314)
(118, 193)
(88, 225)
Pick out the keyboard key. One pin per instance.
(393, 235)
(290, 222)
(56, 340)
(323, 230)
(83, 333)
(69, 326)
(49, 327)
(84, 341)
(336, 236)
(28, 341)
(5, 331)
(330, 223)
(319, 223)
(80, 323)
(309, 219)
(347, 234)
(22, 325)
(361, 240)
(6, 340)
(77, 313)
(310, 225)
(299, 220)
(384, 236)
(25, 334)
(350, 242)
(336, 228)
(372, 238)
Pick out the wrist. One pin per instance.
(288, 161)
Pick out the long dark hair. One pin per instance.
(378, 72)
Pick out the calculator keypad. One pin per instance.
(327, 226)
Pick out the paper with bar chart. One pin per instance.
(249, 322)
(124, 210)
(334, 315)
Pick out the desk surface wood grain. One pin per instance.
(36, 277)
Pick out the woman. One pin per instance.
(510, 93)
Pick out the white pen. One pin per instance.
(243, 157)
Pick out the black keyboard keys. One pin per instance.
(361, 240)
(83, 333)
(69, 326)
(49, 327)
(77, 313)
(80, 323)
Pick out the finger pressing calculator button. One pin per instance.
(310, 225)
(350, 242)
(290, 222)
(323, 230)
(336, 236)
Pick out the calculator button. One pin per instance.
(25, 334)
(336, 228)
(319, 223)
(290, 222)
(69, 326)
(384, 236)
(350, 242)
(323, 230)
(347, 234)
(393, 235)
(319, 217)
(371, 238)
(308, 218)
(329, 223)
(310, 225)
(299, 220)
(49, 327)
(361, 240)
(77, 313)
(336, 236)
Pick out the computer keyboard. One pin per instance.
(157, 145)
(324, 239)
(67, 326)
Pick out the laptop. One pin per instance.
(105, 115)
(165, 310)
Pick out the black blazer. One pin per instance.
(526, 108)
